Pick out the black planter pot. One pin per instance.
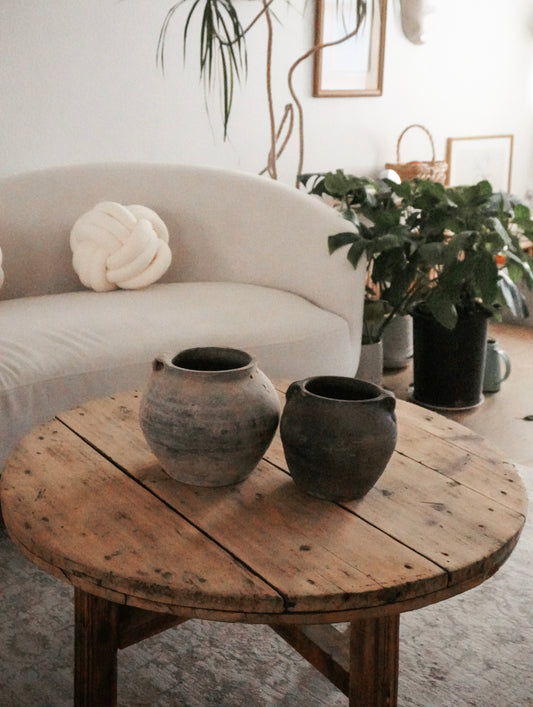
(449, 364)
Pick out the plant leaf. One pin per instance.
(486, 274)
(355, 252)
(341, 239)
(512, 296)
(500, 230)
(443, 309)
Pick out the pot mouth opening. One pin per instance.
(212, 358)
(340, 388)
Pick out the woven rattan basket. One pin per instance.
(436, 170)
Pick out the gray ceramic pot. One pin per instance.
(209, 414)
(338, 435)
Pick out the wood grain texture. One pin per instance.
(500, 419)
(95, 651)
(86, 500)
(80, 513)
(374, 662)
(326, 648)
(93, 501)
(137, 624)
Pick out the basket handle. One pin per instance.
(415, 125)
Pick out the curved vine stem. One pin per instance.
(220, 14)
(288, 114)
(316, 48)
(266, 5)
(272, 169)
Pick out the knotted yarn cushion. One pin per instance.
(119, 246)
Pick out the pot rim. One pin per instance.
(477, 311)
(211, 360)
(375, 392)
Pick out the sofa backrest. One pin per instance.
(224, 225)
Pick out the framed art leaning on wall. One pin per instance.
(353, 67)
(471, 159)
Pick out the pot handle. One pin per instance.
(506, 362)
(157, 364)
(388, 400)
(295, 388)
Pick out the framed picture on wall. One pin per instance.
(353, 67)
(471, 159)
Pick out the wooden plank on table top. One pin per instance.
(450, 448)
(433, 516)
(459, 454)
(437, 424)
(281, 385)
(275, 454)
(456, 527)
(290, 538)
(435, 513)
(77, 511)
(445, 532)
(320, 557)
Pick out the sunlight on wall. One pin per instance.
(84, 86)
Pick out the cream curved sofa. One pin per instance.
(250, 270)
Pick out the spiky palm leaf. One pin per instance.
(223, 57)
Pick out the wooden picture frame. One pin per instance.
(471, 159)
(354, 67)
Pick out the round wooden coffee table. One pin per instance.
(85, 500)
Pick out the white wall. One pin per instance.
(78, 82)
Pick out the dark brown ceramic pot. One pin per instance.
(209, 414)
(338, 435)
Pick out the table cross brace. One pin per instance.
(361, 662)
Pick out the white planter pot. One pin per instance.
(371, 363)
(398, 342)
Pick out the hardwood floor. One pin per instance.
(501, 417)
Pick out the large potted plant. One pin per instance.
(379, 233)
(454, 260)
(468, 262)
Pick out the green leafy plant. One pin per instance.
(450, 248)
(380, 234)
(469, 254)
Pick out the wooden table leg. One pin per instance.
(374, 659)
(95, 651)
(373, 670)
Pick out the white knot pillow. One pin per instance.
(1, 271)
(119, 246)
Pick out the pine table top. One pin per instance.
(84, 498)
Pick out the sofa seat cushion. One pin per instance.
(57, 351)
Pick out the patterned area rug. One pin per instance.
(475, 650)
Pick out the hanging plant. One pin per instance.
(223, 59)
(223, 53)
